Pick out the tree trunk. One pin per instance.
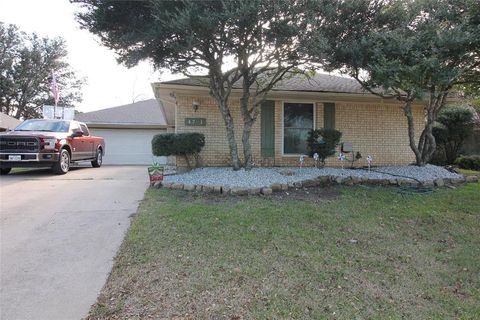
(407, 108)
(198, 160)
(232, 144)
(427, 145)
(18, 114)
(249, 117)
(187, 161)
(247, 123)
(247, 148)
(219, 91)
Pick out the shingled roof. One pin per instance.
(320, 82)
(7, 122)
(147, 112)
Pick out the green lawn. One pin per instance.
(333, 253)
(467, 172)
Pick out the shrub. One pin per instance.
(468, 162)
(454, 125)
(178, 144)
(476, 104)
(323, 142)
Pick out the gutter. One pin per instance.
(278, 94)
(127, 125)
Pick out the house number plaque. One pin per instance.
(196, 122)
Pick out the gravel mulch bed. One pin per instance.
(265, 177)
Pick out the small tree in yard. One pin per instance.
(405, 50)
(262, 37)
(455, 124)
(323, 142)
(179, 144)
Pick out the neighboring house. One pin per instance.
(374, 126)
(128, 130)
(7, 122)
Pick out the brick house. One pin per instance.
(373, 126)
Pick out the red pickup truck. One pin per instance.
(49, 143)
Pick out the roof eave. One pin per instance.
(196, 89)
(107, 125)
(188, 89)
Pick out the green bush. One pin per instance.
(323, 142)
(468, 162)
(178, 144)
(454, 125)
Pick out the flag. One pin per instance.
(55, 92)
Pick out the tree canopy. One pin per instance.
(261, 40)
(402, 49)
(407, 50)
(26, 66)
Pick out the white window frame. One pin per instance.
(314, 104)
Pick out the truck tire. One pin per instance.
(63, 164)
(97, 163)
(4, 171)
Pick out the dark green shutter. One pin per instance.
(329, 115)
(268, 128)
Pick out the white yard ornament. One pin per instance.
(369, 161)
(316, 158)
(342, 158)
(301, 160)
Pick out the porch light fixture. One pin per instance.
(195, 105)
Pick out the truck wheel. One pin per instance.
(4, 171)
(97, 163)
(63, 164)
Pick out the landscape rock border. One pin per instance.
(319, 181)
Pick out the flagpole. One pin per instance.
(55, 94)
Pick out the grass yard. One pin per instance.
(334, 253)
(467, 172)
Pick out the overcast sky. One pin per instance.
(108, 84)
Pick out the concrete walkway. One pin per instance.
(59, 235)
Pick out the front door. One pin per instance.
(268, 129)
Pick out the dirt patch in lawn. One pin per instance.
(313, 194)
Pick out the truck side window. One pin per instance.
(74, 127)
(85, 130)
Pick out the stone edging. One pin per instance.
(321, 180)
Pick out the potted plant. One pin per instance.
(155, 173)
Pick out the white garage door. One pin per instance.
(129, 146)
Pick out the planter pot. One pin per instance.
(155, 173)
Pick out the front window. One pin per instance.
(43, 125)
(297, 122)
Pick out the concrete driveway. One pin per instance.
(59, 235)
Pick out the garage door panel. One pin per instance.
(129, 146)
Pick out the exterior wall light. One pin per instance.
(195, 105)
